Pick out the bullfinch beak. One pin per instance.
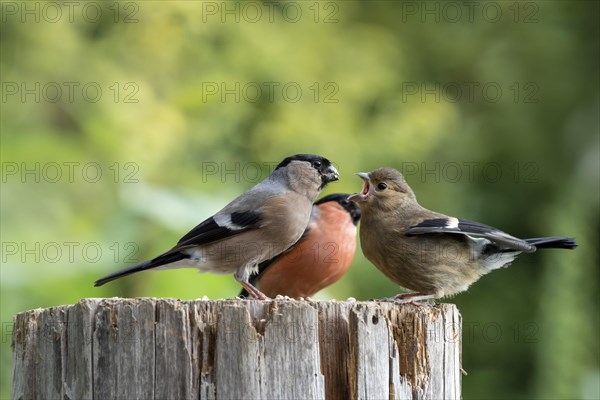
(366, 190)
(330, 174)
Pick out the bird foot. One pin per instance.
(254, 292)
(412, 297)
(409, 298)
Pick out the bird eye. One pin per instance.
(381, 186)
(317, 164)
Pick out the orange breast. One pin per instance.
(319, 260)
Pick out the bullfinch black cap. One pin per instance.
(320, 163)
(326, 170)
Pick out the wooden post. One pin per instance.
(232, 349)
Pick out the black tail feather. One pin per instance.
(554, 242)
(156, 262)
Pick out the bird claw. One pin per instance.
(412, 298)
(253, 292)
(261, 296)
(407, 298)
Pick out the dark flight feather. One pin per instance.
(163, 259)
(465, 227)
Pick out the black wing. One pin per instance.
(209, 230)
(471, 228)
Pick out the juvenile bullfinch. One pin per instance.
(321, 256)
(427, 252)
(256, 226)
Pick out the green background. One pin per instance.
(125, 124)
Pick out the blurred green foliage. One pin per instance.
(490, 108)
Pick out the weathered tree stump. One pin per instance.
(232, 349)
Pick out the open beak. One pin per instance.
(366, 190)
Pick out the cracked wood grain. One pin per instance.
(281, 349)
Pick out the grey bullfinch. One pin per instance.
(256, 226)
(321, 256)
(427, 252)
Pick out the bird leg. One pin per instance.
(242, 276)
(253, 291)
(412, 297)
